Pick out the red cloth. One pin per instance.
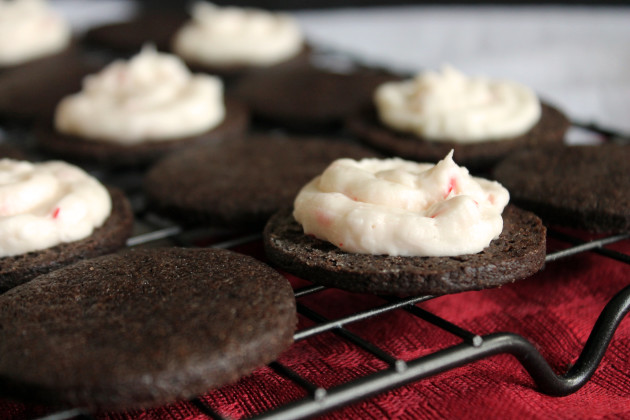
(555, 309)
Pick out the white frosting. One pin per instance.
(151, 97)
(398, 207)
(221, 36)
(29, 29)
(449, 106)
(45, 204)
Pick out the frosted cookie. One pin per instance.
(578, 186)
(53, 214)
(135, 111)
(232, 40)
(30, 30)
(481, 119)
(153, 326)
(227, 41)
(239, 183)
(399, 227)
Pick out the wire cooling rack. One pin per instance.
(470, 348)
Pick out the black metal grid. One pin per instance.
(472, 347)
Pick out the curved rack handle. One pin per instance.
(528, 356)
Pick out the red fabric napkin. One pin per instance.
(555, 309)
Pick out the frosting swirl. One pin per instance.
(29, 29)
(151, 97)
(398, 207)
(222, 36)
(449, 106)
(45, 204)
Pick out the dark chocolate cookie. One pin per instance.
(517, 253)
(142, 327)
(10, 151)
(147, 27)
(578, 186)
(308, 98)
(32, 92)
(158, 28)
(108, 238)
(231, 73)
(550, 129)
(241, 182)
(114, 154)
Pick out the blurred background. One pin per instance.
(575, 55)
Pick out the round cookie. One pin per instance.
(11, 151)
(517, 253)
(240, 183)
(550, 129)
(154, 27)
(307, 98)
(115, 154)
(110, 237)
(158, 28)
(142, 328)
(233, 72)
(578, 186)
(32, 92)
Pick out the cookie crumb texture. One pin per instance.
(108, 238)
(518, 253)
(142, 328)
(578, 186)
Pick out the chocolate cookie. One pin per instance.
(32, 92)
(240, 183)
(142, 327)
(115, 154)
(158, 28)
(231, 73)
(10, 151)
(579, 186)
(148, 27)
(517, 253)
(108, 238)
(308, 98)
(550, 129)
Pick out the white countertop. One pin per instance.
(575, 57)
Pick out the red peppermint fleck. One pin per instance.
(452, 183)
(340, 244)
(56, 213)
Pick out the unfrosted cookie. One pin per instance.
(147, 27)
(241, 182)
(517, 253)
(578, 186)
(142, 328)
(308, 98)
(32, 92)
